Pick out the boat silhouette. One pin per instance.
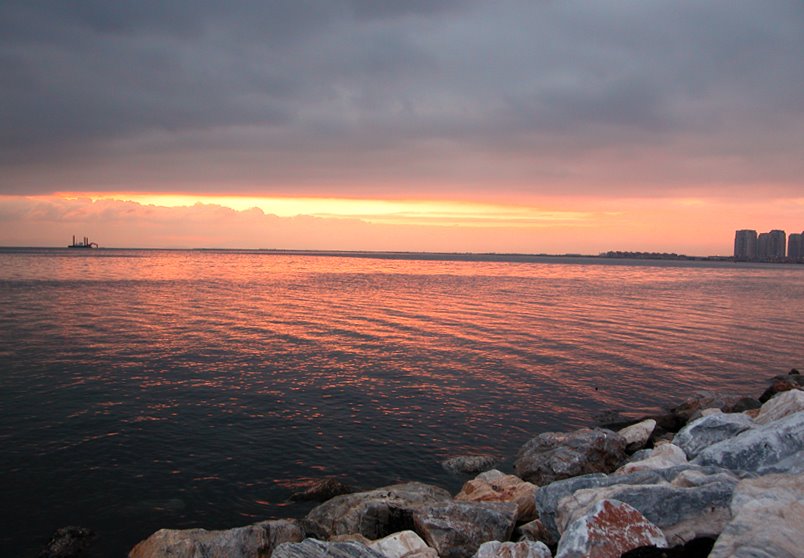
(83, 244)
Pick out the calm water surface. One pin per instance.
(148, 389)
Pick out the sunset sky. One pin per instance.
(514, 126)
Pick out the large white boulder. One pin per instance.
(780, 406)
(776, 447)
(767, 522)
(637, 435)
(405, 544)
(706, 431)
(660, 457)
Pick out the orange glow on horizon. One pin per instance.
(377, 211)
(555, 224)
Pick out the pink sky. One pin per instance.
(555, 225)
(425, 126)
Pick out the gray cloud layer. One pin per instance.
(366, 97)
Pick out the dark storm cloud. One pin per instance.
(283, 96)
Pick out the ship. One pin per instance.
(83, 244)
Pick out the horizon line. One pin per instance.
(388, 252)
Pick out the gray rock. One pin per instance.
(637, 435)
(457, 529)
(68, 542)
(660, 457)
(554, 456)
(609, 529)
(351, 537)
(767, 519)
(777, 447)
(470, 464)
(321, 491)
(548, 497)
(313, 548)
(780, 406)
(259, 539)
(704, 432)
(639, 455)
(688, 503)
(375, 513)
(405, 544)
(522, 549)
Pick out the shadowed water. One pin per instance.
(148, 389)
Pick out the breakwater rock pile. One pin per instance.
(718, 475)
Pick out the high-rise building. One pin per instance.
(745, 245)
(768, 246)
(771, 246)
(795, 247)
(763, 246)
(777, 247)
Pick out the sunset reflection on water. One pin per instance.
(208, 386)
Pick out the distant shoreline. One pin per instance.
(510, 257)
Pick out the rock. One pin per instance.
(637, 435)
(608, 530)
(494, 486)
(322, 490)
(777, 447)
(781, 405)
(669, 422)
(68, 542)
(664, 438)
(751, 413)
(375, 513)
(745, 404)
(548, 497)
(351, 537)
(767, 519)
(696, 548)
(779, 384)
(704, 432)
(685, 502)
(701, 400)
(457, 529)
(470, 464)
(259, 539)
(313, 548)
(554, 456)
(405, 544)
(661, 457)
(640, 455)
(522, 549)
(534, 531)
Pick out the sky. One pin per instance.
(423, 125)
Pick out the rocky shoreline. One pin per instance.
(718, 475)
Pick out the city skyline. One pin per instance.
(771, 246)
(536, 127)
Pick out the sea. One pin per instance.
(142, 389)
